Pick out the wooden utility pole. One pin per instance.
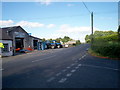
(92, 28)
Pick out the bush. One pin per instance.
(107, 46)
(113, 37)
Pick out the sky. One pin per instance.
(59, 19)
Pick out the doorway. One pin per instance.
(19, 43)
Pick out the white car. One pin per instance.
(66, 45)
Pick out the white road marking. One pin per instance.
(43, 58)
(52, 78)
(67, 67)
(103, 67)
(69, 74)
(79, 65)
(58, 74)
(62, 80)
(73, 71)
(35, 60)
(76, 67)
(82, 57)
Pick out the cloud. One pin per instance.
(51, 26)
(44, 2)
(5, 23)
(65, 28)
(29, 24)
(75, 32)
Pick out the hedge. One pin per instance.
(107, 46)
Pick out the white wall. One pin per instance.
(10, 53)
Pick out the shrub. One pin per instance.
(107, 46)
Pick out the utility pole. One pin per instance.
(92, 28)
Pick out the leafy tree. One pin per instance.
(98, 34)
(50, 40)
(88, 38)
(66, 39)
(78, 42)
(119, 32)
(43, 40)
(58, 39)
(103, 33)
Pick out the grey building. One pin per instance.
(21, 39)
(7, 42)
(35, 42)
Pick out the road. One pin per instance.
(70, 67)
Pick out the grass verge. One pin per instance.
(91, 52)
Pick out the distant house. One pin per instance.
(7, 42)
(71, 42)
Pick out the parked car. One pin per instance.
(66, 46)
(53, 44)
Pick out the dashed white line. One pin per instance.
(52, 78)
(82, 57)
(79, 65)
(73, 71)
(67, 67)
(76, 67)
(35, 60)
(69, 74)
(102, 67)
(58, 74)
(43, 58)
(62, 80)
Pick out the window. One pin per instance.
(6, 47)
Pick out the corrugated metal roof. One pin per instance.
(3, 35)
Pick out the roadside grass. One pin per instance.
(96, 54)
(106, 46)
(106, 50)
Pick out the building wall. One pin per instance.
(20, 33)
(10, 52)
(31, 42)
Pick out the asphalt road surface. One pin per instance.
(60, 68)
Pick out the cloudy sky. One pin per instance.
(59, 19)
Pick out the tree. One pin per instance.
(88, 38)
(103, 33)
(50, 40)
(66, 39)
(43, 40)
(98, 34)
(78, 42)
(59, 39)
(119, 33)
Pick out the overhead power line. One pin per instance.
(86, 7)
